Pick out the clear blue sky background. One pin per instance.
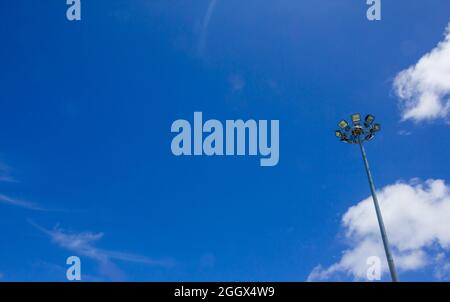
(86, 109)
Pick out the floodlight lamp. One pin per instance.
(343, 124)
(357, 130)
(369, 136)
(369, 119)
(356, 118)
(376, 128)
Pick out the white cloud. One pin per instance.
(205, 25)
(8, 200)
(404, 132)
(20, 203)
(417, 219)
(442, 268)
(83, 244)
(424, 89)
(5, 173)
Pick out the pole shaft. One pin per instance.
(384, 237)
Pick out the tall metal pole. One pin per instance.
(379, 217)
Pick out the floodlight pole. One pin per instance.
(384, 237)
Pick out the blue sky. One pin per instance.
(86, 110)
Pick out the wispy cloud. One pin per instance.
(20, 203)
(4, 199)
(404, 132)
(205, 25)
(5, 173)
(84, 244)
(417, 218)
(424, 88)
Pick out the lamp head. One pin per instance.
(359, 131)
(343, 125)
(369, 119)
(356, 118)
(376, 128)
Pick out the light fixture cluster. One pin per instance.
(359, 131)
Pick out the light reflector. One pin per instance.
(376, 128)
(343, 124)
(356, 118)
(369, 119)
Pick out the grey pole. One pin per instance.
(379, 217)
